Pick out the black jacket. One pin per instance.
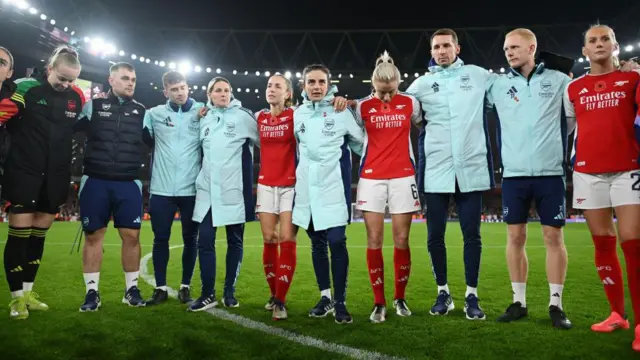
(41, 140)
(114, 146)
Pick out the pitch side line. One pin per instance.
(256, 325)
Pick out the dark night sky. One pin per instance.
(301, 14)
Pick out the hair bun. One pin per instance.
(67, 50)
(384, 58)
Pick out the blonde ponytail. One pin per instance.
(385, 70)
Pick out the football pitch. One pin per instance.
(169, 332)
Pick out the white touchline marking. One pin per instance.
(271, 330)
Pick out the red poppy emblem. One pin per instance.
(385, 108)
(600, 86)
(273, 120)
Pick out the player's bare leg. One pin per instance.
(286, 265)
(603, 232)
(91, 264)
(518, 266)
(556, 274)
(131, 266)
(268, 223)
(401, 224)
(374, 223)
(629, 231)
(15, 255)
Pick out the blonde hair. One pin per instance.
(526, 34)
(64, 55)
(386, 70)
(287, 102)
(614, 58)
(216, 80)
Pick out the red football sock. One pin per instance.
(631, 250)
(610, 271)
(286, 269)
(270, 261)
(375, 263)
(402, 266)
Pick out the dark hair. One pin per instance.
(315, 67)
(9, 55)
(121, 65)
(287, 102)
(216, 80)
(172, 77)
(64, 54)
(445, 31)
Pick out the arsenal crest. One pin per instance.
(71, 105)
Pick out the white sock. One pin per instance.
(556, 295)
(519, 293)
(163, 288)
(91, 280)
(17, 294)
(444, 287)
(471, 290)
(182, 286)
(27, 286)
(131, 278)
(326, 292)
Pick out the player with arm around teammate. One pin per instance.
(224, 190)
(533, 141)
(173, 130)
(606, 175)
(454, 161)
(387, 176)
(38, 170)
(323, 186)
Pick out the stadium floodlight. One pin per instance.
(97, 45)
(52, 22)
(491, 70)
(161, 63)
(235, 72)
(33, 11)
(155, 62)
(172, 65)
(257, 73)
(339, 76)
(247, 90)
(246, 73)
(628, 48)
(66, 29)
(287, 74)
(502, 70)
(109, 49)
(184, 67)
(208, 69)
(581, 60)
(298, 75)
(198, 68)
(87, 39)
(406, 75)
(218, 71)
(257, 91)
(133, 56)
(351, 76)
(148, 60)
(267, 73)
(21, 4)
(73, 33)
(195, 87)
(203, 87)
(43, 17)
(416, 74)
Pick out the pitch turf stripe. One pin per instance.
(256, 325)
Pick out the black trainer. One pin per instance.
(514, 312)
(159, 296)
(559, 318)
(322, 308)
(184, 295)
(91, 301)
(341, 314)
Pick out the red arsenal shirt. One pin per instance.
(277, 148)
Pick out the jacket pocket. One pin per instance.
(231, 186)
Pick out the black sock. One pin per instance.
(35, 249)
(15, 255)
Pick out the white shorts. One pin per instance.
(600, 191)
(274, 199)
(401, 195)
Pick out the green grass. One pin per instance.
(168, 332)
